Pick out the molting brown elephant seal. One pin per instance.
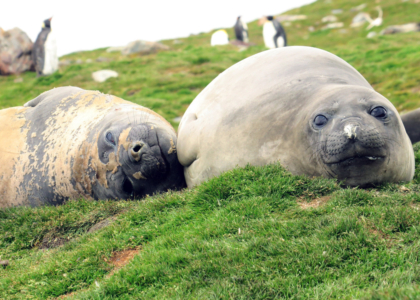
(301, 106)
(71, 143)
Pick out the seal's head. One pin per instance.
(140, 160)
(357, 136)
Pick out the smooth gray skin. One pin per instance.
(262, 110)
(69, 143)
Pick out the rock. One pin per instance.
(15, 52)
(143, 47)
(333, 25)
(311, 28)
(343, 31)
(360, 19)
(371, 34)
(410, 27)
(18, 80)
(103, 75)
(89, 60)
(291, 18)
(102, 59)
(79, 61)
(65, 62)
(287, 24)
(328, 19)
(115, 49)
(177, 42)
(359, 7)
(336, 11)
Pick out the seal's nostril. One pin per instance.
(137, 148)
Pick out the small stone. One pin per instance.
(79, 61)
(410, 27)
(89, 60)
(359, 7)
(336, 11)
(333, 25)
(103, 75)
(177, 42)
(65, 62)
(143, 47)
(311, 28)
(18, 79)
(360, 19)
(329, 19)
(371, 34)
(103, 59)
(291, 18)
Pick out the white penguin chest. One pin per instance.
(269, 31)
(50, 55)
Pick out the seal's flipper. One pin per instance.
(411, 123)
(57, 92)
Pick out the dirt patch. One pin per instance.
(120, 258)
(314, 203)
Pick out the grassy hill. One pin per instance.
(252, 233)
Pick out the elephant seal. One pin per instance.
(69, 143)
(303, 107)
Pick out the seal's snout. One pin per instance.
(350, 131)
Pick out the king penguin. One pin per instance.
(241, 30)
(44, 52)
(274, 34)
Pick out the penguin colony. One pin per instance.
(44, 52)
(273, 33)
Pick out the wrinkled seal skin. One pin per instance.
(263, 110)
(71, 143)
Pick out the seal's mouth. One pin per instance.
(363, 159)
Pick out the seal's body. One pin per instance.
(44, 52)
(71, 143)
(301, 106)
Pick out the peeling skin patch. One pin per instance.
(173, 147)
(139, 176)
(350, 131)
(123, 139)
(314, 203)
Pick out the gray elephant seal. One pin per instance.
(71, 143)
(301, 106)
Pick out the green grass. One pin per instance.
(361, 244)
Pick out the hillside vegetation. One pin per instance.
(252, 233)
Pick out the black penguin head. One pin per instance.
(270, 18)
(47, 23)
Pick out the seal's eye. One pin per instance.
(378, 112)
(110, 138)
(320, 120)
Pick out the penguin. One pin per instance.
(273, 33)
(220, 37)
(44, 52)
(241, 30)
